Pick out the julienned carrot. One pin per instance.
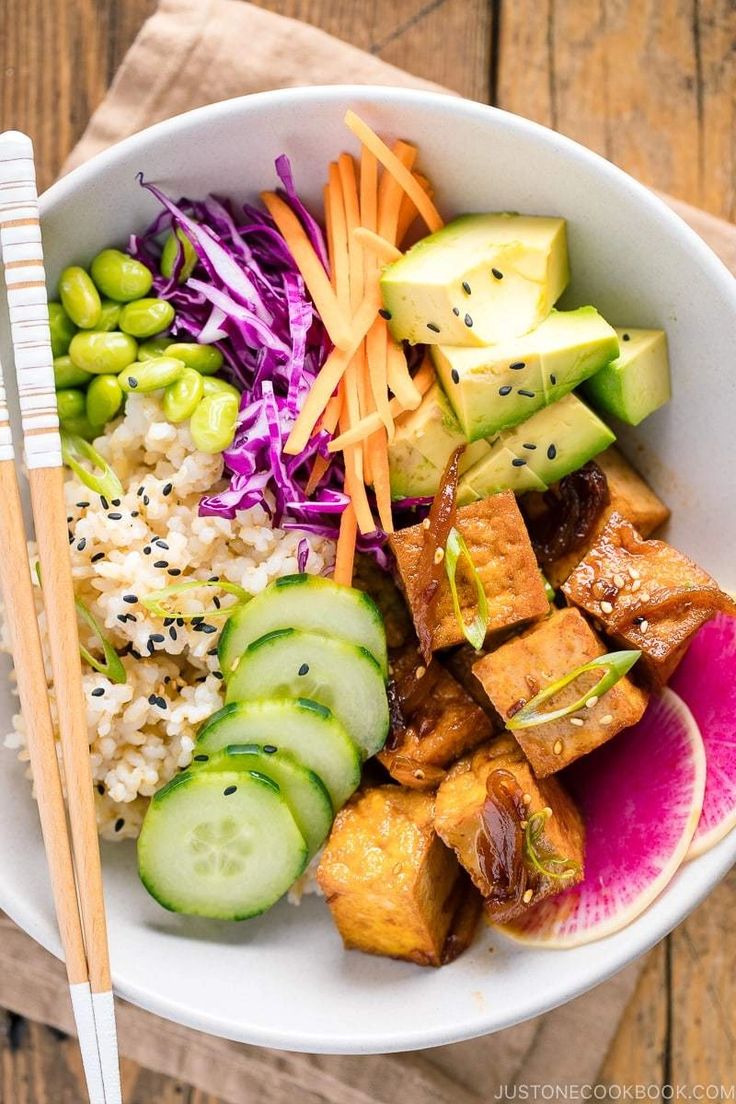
(311, 269)
(393, 165)
(408, 211)
(390, 193)
(339, 256)
(376, 343)
(330, 237)
(373, 243)
(399, 379)
(368, 190)
(345, 552)
(349, 182)
(378, 452)
(423, 381)
(328, 422)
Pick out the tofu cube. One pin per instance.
(434, 721)
(391, 884)
(489, 841)
(642, 594)
(630, 495)
(546, 652)
(501, 551)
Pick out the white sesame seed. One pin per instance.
(578, 721)
(547, 811)
(606, 607)
(619, 581)
(439, 555)
(420, 672)
(419, 775)
(633, 572)
(526, 798)
(644, 596)
(592, 702)
(528, 896)
(644, 627)
(635, 585)
(425, 523)
(557, 748)
(607, 720)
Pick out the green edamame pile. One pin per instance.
(109, 338)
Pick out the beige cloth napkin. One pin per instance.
(189, 53)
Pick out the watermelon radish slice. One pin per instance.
(706, 680)
(641, 795)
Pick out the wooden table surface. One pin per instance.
(651, 84)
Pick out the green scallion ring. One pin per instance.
(615, 665)
(475, 633)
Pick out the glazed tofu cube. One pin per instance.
(434, 721)
(485, 806)
(392, 886)
(645, 594)
(501, 551)
(546, 652)
(630, 496)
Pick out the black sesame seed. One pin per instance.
(229, 790)
(119, 823)
(130, 598)
(132, 382)
(157, 638)
(197, 620)
(168, 621)
(161, 544)
(214, 579)
(172, 633)
(212, 651)
(115, 502)
(530, 447)
(132, 617)
(122, 617)
(160, 563)
(498, 275)
(82, 545)
(270, 749)
(151, 647)
(135, 654)
(167, 489)
(518, 364)
(134, 513)
(105, 503)
(627, 337)
(553, 380)
(456, 311)
(468, 321)
(152, 699)
(139, 492)
(455, 375)
(82, 505)
(518, 462)
(505, 390)
(466, 288)
(201, 758)
(218, 674)
(115, 516)
(98, 692)
(100, 788)
(180, 622)
(304, 669)
(174, 571)
(69, 519)
(216, 602)
(147, 550)
(385, 314)
(167, 678)
(433, 327)
(97, 557)
(146, 500)
(551, 452)
(161, 702)
(70, 535)
(526, 394)
(209, 629)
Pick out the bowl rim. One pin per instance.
(643, 936)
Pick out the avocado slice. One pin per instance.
(423, 443)
(637, 382)
(481, 279)
(546, 447)
(497, 387)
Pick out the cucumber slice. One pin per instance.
(305, 602)
(305, 728)
(346, 678)
(302, 790)
(220, 845)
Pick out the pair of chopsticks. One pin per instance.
(69, 833)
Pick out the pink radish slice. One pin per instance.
(706, 681)
(641, 796)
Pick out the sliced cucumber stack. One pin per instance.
(302, 790)
(305, 728)
(306, 602)
(223, 845)
(288, 663)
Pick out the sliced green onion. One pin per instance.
(74, 450)
(546, 862)
(549, 590)
(475, 633)
(155, 602)
(111, 666)
(614, 665)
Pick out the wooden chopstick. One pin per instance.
(22, 254)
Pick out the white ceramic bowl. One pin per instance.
(283, 980)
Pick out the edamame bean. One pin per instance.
(154, 347)
(151, 375)
(110, 316)
(213, 385)
(205, 358)
(62, 329)
(66, 373)
(182, 397)
(103, 353)
(104, 399)
(120, 277)
(146, 317)
(79, 297)
(171, 252)
(80, 427)
(213, 422)
(70, 404)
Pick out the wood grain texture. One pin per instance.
(650, 84)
